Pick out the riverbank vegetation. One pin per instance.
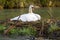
(9, 4)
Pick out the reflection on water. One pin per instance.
(10, 13)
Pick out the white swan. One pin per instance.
(28, 17)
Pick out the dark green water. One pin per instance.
(10, 13)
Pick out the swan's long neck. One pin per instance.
(30, 10)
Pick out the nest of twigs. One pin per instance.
(42, 27)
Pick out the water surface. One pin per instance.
(11, 13)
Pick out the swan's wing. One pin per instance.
(38, 16)
(23, 18)
(28, 17)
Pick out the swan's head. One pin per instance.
(31, 8)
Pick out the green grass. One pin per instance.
(10, 13)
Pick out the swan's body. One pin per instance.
(28, 17)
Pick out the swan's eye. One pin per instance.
(32, 7)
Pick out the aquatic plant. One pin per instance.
(29, 30)
(2, 27)
(53, 27)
